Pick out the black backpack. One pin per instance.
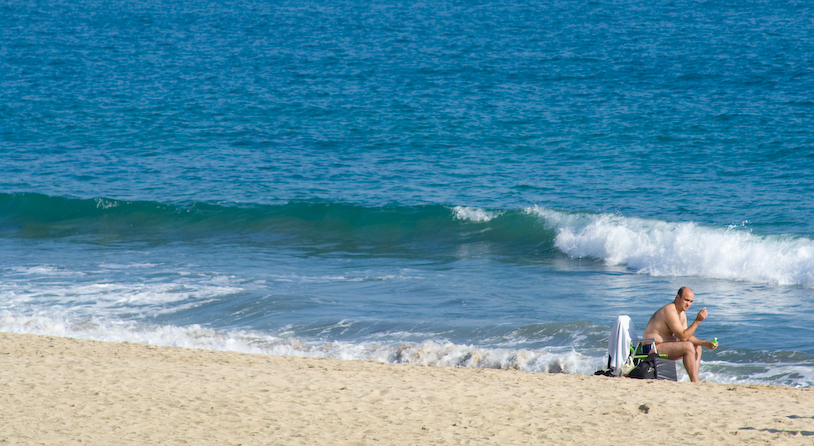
(646, 369)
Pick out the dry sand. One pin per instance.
(68, 391)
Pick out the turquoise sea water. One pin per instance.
(483, 184)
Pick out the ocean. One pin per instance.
(450, 183)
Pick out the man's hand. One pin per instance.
(701, 315)
(710, 345)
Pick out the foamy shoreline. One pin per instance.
(61, 390)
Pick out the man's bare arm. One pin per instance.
(708, 344)
(685, 334)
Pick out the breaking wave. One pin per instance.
(648, 246)
(663, 248)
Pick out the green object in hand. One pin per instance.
(715, 342)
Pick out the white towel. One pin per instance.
(619, 343)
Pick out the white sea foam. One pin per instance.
(778, 373)
(683, 249)
(102, 203)
(435, 353)
(45, 270)
(558, 360)
(118, 266)
(306, 279)
(110, 298)
(297, 278)
(474, 214)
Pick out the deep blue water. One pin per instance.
(456, 183)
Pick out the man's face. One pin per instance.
(686, 300)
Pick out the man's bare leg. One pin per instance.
(685, 350)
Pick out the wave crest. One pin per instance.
(474, 215)
(647, 246)
(662, 248)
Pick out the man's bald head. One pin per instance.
(684, 299)
(683, 291)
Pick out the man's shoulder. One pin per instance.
(667, 312)
(668, 308)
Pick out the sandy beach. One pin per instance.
(69, 391)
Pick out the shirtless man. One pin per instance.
(673, 338)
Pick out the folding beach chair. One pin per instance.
(625, 352)
(619, 346)
(664, 368)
